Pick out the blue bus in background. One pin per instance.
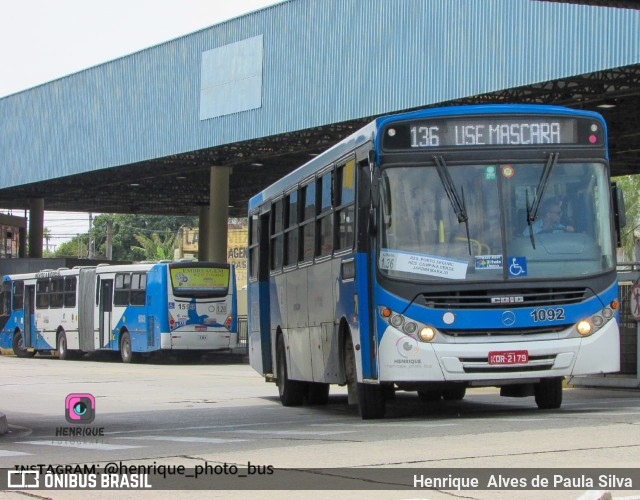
(438, 250)
(187, 307)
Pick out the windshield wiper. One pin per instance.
(457, 201)
(532, 210)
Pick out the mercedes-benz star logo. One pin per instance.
(508, 318)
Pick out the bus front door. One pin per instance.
(105, 313)
(29, 339)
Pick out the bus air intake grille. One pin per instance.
(504, 331)
(499, 299)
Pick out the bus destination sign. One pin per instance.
(485, 131)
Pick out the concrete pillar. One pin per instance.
(203, 233)
(22, 242)
(212, 238)
(218, 213)
(36, 227)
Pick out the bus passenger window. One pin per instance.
(253, 246)
(345, 191)
(138, 289)
(57, 290)
(121, 292)
(325, 219)
(42, 293)
(18, 295)
(276, 236)
(307, 229)
(291, 229)
(70, 291)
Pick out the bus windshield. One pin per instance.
(494, 221)
(198, 280)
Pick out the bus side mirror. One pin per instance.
(619, 213)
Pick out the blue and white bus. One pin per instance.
(187, 307)
(411, 256)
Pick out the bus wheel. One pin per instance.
(18, 347)
(371, 401)
(291, 392)
(548, 393)
(317, 393)
(126, 354)
(63, 352)
(454, 393)
(371, 397)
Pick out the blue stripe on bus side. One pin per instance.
(362, 274)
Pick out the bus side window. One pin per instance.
(122, 288)
(138, 289)
(276, 235)
(6, 298)
(70, 291)
(345, 198)
(42, 293)
(18, 295)
(325, 215)
(291, 229)
(57, 290)
(253, 246)
(307, 223)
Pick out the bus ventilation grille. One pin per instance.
(499, 299)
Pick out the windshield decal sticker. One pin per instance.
(429, 265)
(517, 266)
(488, 262)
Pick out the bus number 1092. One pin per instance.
(550, 314)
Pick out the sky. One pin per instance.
(42, 40)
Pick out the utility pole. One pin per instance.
(91, 250)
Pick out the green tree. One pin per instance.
(124, 245)
(630, 185)
(76, 247)
(155, 247)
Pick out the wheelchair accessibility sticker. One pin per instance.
(517, 266)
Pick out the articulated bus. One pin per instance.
(439, 250)
(187, 307)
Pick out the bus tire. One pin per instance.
(371, 401)
(292, 392)
(18, 348)
(126, 353)
(548, 393)
(317, 393)
(61, 347)
(454, 393)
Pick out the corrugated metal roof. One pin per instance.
(325, 61)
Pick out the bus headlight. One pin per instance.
(410, 327)
(591, 325)
(397, 320)
(427, 334)
(407, 326)
(583, 327)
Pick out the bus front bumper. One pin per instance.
(405, 359)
